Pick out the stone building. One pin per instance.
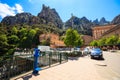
(113, 31)
(98, 31)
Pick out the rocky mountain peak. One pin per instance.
(20, 18)
(83, 25)
(46, 16)
(116, 20)
(23, 14)
(84, 20)
(50, 16)
(45, 7)
(96, 21)
(103, 21)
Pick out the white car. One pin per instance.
(86, 51)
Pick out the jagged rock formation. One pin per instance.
(96, 22)
(50, 16)
(46, 16)
(116, 20)
(103, 21)
(22, 18)
(83, 25)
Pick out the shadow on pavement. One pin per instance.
(99, 59)
(104, 65)
(27, 77)
(73, 58)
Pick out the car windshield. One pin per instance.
(97, 49)
(86, 49)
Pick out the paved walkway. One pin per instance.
(74, 69)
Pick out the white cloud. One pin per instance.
(18, 8)
(6, 10)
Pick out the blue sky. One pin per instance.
(92, 9)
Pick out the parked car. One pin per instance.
(77, 49)
(86, 51)
(96, 53)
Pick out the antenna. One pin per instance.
(71, 14)
(72, 19)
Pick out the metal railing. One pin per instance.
(49, 58)
(16, 65)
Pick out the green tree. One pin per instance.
(14, 31)
(112, 40)
(79, 40)
(36, 37)
(30, 37)
(94, 43)
(3, 44)
(72, 38)
(102, 42)
(23, 43)
(23, 37)
(27, 38)
(13, 40)
(118, 42)
(23, 32)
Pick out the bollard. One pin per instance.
(36, 58)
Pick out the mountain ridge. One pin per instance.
(51, 17)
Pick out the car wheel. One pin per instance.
(91, 57)
(101, 57)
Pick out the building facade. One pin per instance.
(113, 31)
(98, 31)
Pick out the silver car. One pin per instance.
(86, 51)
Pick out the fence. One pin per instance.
(49, 58)
(16, 65)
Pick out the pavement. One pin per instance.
(75, 69)
(112, 59)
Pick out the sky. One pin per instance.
(91, 9)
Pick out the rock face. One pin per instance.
(50, 16)
(103, 21)
(83, 25)
(116, 20)
(22, 18)
(46, 16)
(96, 22)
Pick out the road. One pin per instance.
(112, 59)
(109, 67)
